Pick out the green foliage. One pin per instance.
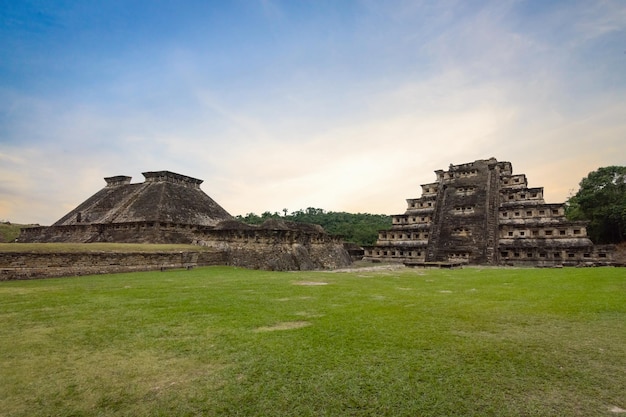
(601, 200)
(223, 341)
(359, 228)
(9, 232)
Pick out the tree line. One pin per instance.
(601, 200)
(359, 228)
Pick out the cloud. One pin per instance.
(593, 20)
(333, 106)
(353, 162)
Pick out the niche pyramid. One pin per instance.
(482, 213)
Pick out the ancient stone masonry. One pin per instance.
(276, 245)
(482, 213)
(171, 208)
(30, 265)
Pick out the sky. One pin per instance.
(344, 105)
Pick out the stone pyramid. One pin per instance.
(164, 197)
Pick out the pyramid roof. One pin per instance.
(164, 196)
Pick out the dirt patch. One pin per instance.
(308, 314)
(310, 283)
(293, 298)
(286, 325)
(376, 268)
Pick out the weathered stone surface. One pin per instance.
(277, 245)
(171, 208)
(482, 213)
(164, 197)
(29, 265)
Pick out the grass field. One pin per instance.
(226, 341)
(9, 231)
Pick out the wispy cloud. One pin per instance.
(283, 105)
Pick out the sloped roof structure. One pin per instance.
(164, 196)
(171, 208)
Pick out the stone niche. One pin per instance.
(482, 213)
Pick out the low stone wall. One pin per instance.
(278, 250)
(285, 257)
(132, 232)
(30, 265)
(275, 245)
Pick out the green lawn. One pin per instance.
(226, 341)
(9, 231)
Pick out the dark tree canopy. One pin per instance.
(601, 200)
(359, 228)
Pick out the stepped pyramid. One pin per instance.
(482, 213)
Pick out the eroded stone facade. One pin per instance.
(171, 208)
(32, 265)
(482, 213)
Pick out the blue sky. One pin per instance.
(340, 105)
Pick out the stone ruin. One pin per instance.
(171, 208)
(482, 213)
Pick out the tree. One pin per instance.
(359, 228)
(601, 200)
